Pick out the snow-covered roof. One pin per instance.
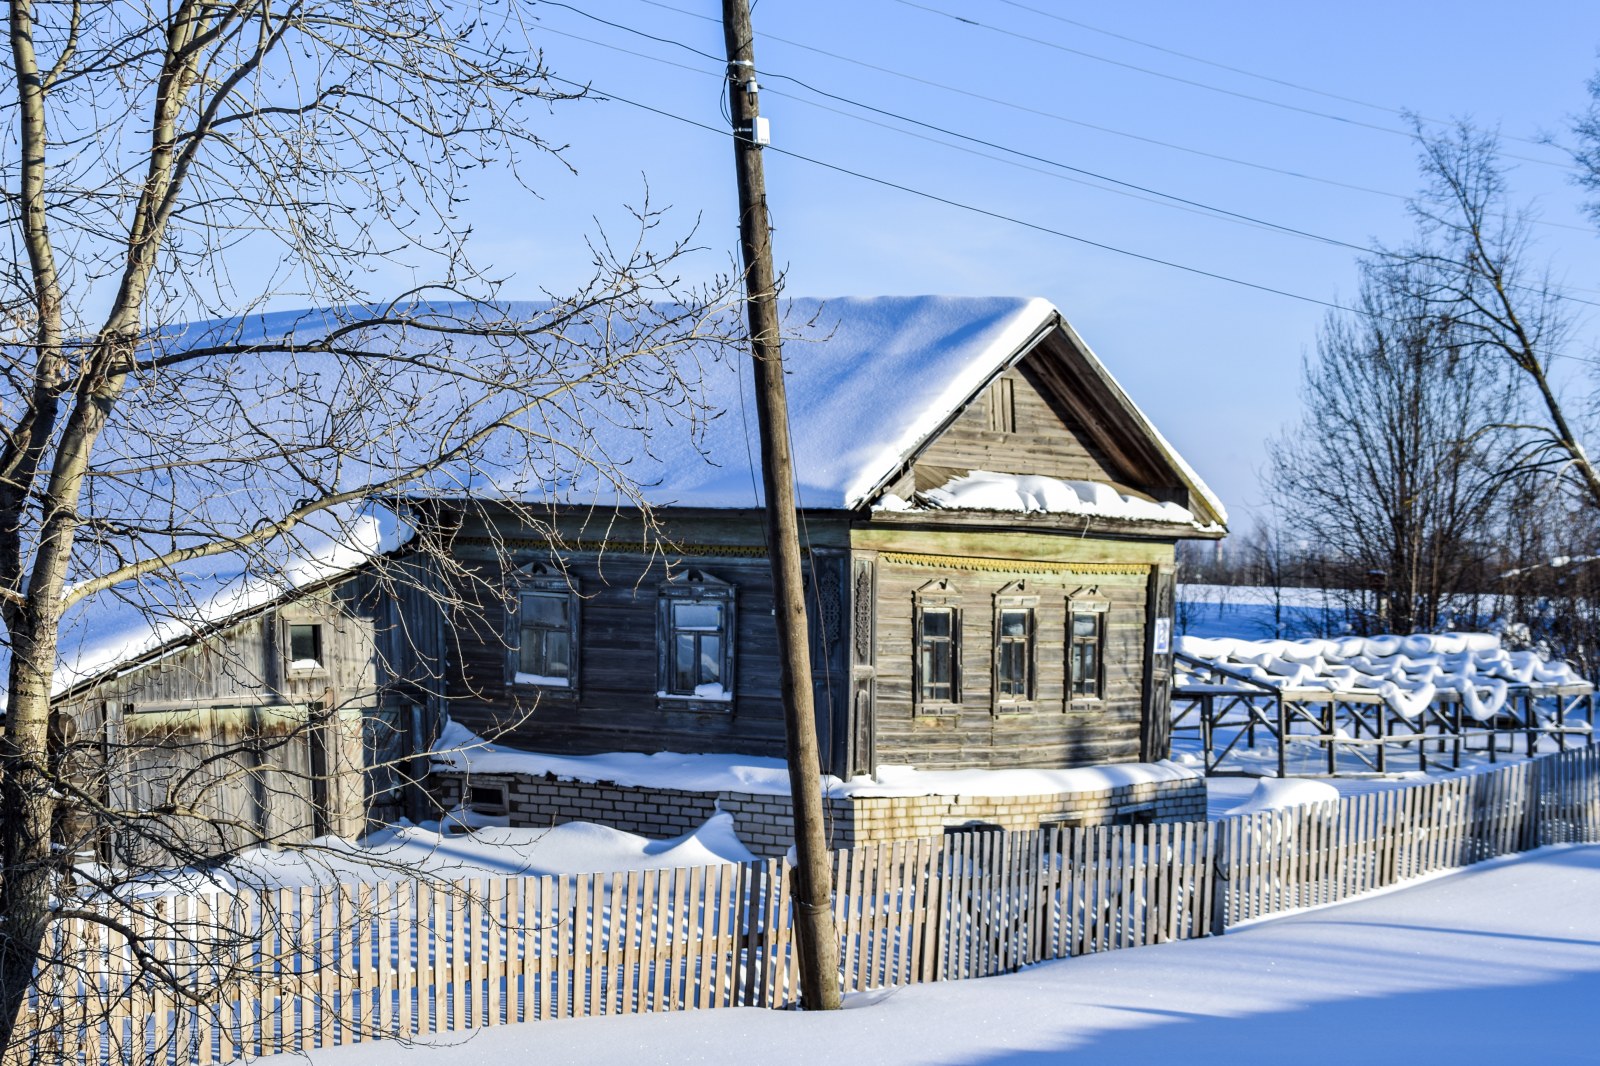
(125, 625)
(870, 382)
(1406, 672)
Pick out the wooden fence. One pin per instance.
(216, 977)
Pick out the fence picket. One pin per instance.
(299, 969)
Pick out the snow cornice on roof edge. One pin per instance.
(1026, 327)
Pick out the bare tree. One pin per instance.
(1396, 467)
(1472, 264)
(219, 159)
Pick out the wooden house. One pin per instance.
(989, 526)
(219, 711)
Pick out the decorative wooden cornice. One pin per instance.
(1012, 566)
(664, 549)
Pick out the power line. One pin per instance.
(1065, 119)
(1121, 186)
(1156, 199)
(1001, 216)
(1240, 70)
(1081, 53)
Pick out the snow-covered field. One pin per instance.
(1499, 963)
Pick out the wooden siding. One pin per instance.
(1043, 439)
(615, 706)
(227, 721)
(1052, 731)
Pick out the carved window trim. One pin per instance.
(531, 583)
(695, 587)
(1017, 649)
(1085, 604)
(939, 595)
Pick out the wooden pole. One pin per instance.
(819, 977)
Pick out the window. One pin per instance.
(544, 630)
(1085, 642)
(1013, 654)
(696, 638)
(937, 643)
(544, 638)
(1003, 406)
(1014, 647)
(305, 646)
(936, 619)
(488, 799)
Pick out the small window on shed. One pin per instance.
(305, 646)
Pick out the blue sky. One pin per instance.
(1216, 364)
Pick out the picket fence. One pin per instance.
(212, 978)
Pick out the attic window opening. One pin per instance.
(305, 646)
(1003, 406)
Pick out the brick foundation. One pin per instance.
(765, 823)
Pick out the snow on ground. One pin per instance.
(460, 749)
(410, 851)
(1459, 969)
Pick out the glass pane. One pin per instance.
(940, 666)
(1085, 670)
(936, 622)
(557, 654)
(701, 616)
(1013, 668)
(710, 659)
(304, 645)
(683, 663)
(1085, 625)
(530, 656)
(1013, 623)
(544, 608)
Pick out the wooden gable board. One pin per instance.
(1072, 422)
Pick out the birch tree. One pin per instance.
(220, 159)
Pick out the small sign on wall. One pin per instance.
(1162, 642)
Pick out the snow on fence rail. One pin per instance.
(295, 969)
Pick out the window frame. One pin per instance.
(290, 617)
(537, 579)
(1015, 597)
(1099, 607)
(938, 595)
(695, 586)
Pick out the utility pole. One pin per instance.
(818, 943)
